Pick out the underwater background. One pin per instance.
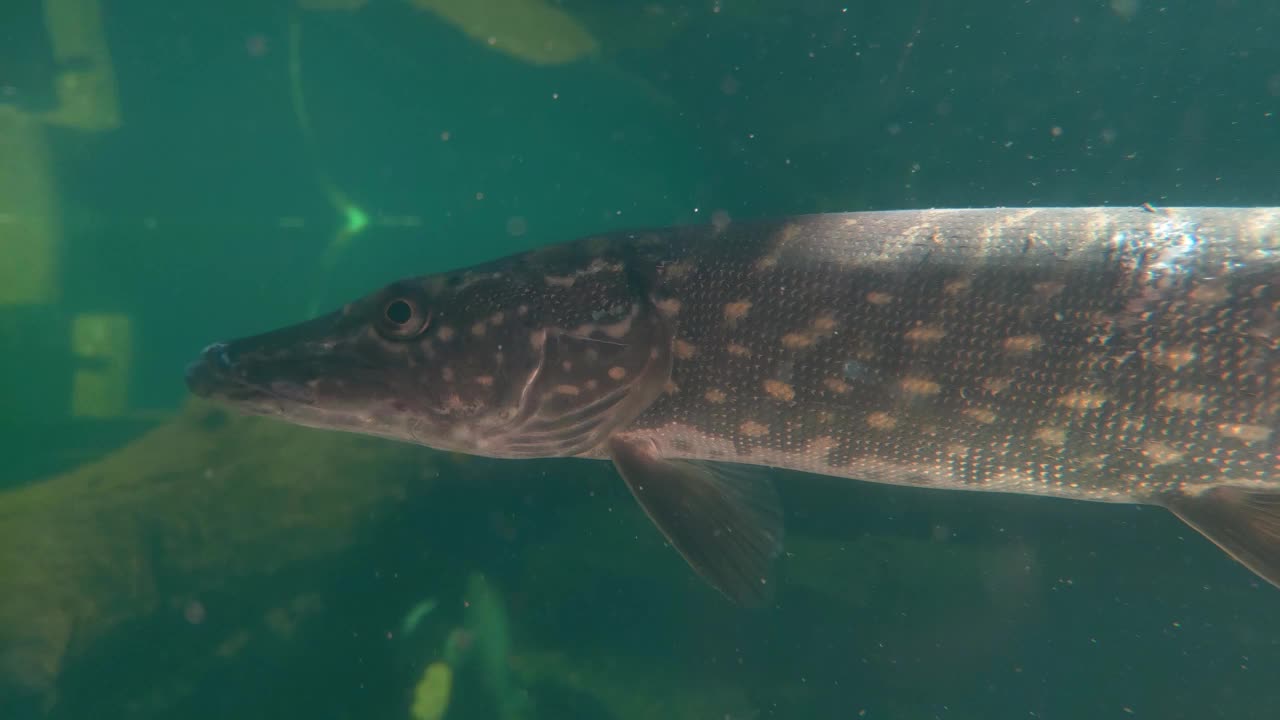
(176, 172)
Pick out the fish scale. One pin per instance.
(1107, 354)
(1040, 359)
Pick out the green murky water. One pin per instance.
(174, 173)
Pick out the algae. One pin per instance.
(205, 502)
(533, 31)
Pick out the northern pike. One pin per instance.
(1123, 355)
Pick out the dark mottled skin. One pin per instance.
(1117, 354)
(1099, 354)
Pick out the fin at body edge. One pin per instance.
(727, 524)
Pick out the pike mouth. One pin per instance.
(216, 376)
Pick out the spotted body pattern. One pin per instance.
(1112, 354)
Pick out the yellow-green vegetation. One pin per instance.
(206, 501)
(431, 696)
(534, 31)
(87, 98)
(101, 388)
(29, 230)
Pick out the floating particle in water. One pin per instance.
(194, 612)
(256, 45)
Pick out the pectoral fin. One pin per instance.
(1242, 521)
(726, 523)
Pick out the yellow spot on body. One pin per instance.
(1083, 400)
(566, 365)
(751, 428)
(821, 446)
(1130, 424)
(444, 333)
(447, 374)
(735, 311)
(715, 396)
(1023, 343)
(1159, 453)
(738, 350)
(619, 329)
(670, 387)
(497, 319)
(881, 421)
(617, 372)
(779, 390)
(669, 307)
(478, 329)
(570, 390)
(1184, 401)
(522, 310)
(879, 298)
(767, 262)
(1247, 433)
(797, 341)
(920, 386)
(685, 349)
(925, 333)
(1209, 293)
(824, 324)
(484, 380)
(1098, 460)
(592, 384)
(1173, 358)
(1051, 435)
(836, 385)
(957, 450)
(819, 327)
(956, 286)
(995, 386)
(982, 415)
(565, 281)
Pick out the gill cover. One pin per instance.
(591, 380)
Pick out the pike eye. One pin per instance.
(402, 318)
(399, 312)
